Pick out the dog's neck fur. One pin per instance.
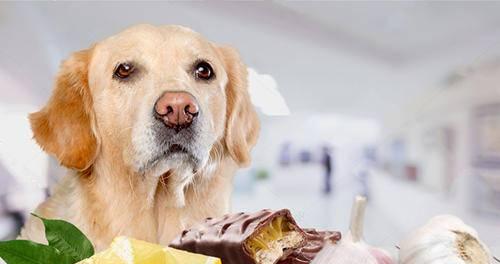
(111, 200)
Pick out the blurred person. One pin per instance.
(285, 158)
(328, 162)
(11, 218)
(363, 173)
(305, 156)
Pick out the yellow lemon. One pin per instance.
(184, 257)
(125, 250)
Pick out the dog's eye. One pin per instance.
(203, 71)
(124, 70)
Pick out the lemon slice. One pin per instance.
(125, 250)
(184, 257)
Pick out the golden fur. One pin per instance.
(96, 127)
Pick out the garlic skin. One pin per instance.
(444, 239)
(344, 253)
(382, 256)
(351, 248)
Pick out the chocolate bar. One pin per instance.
(315, 242)
(264, 237)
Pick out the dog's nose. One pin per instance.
(177, 109)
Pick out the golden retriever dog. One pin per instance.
(152, 124)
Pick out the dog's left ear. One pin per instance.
(242, 123)
(63, 127)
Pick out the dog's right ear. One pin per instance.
(64, 127)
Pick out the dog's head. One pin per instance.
(157, 98)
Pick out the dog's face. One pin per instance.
(160, 98)
(142, 83)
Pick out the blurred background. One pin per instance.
(398, 101)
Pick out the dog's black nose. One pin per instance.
(177, 109)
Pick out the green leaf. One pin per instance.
(27, 252)
(67, 238)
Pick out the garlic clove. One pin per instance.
(450, 222)
(382, 256)
(346, 253)
(444, 240)
(352, 249)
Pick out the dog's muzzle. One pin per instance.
(178, 131)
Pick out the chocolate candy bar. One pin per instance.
(315, 242)
(263, 237)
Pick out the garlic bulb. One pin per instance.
(352, 248)
(444, 240)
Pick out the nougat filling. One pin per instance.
(268, 245)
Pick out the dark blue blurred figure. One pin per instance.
(328, 162)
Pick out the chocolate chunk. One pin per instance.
(315, 242)
(263, 237)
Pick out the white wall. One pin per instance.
(452, 106)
